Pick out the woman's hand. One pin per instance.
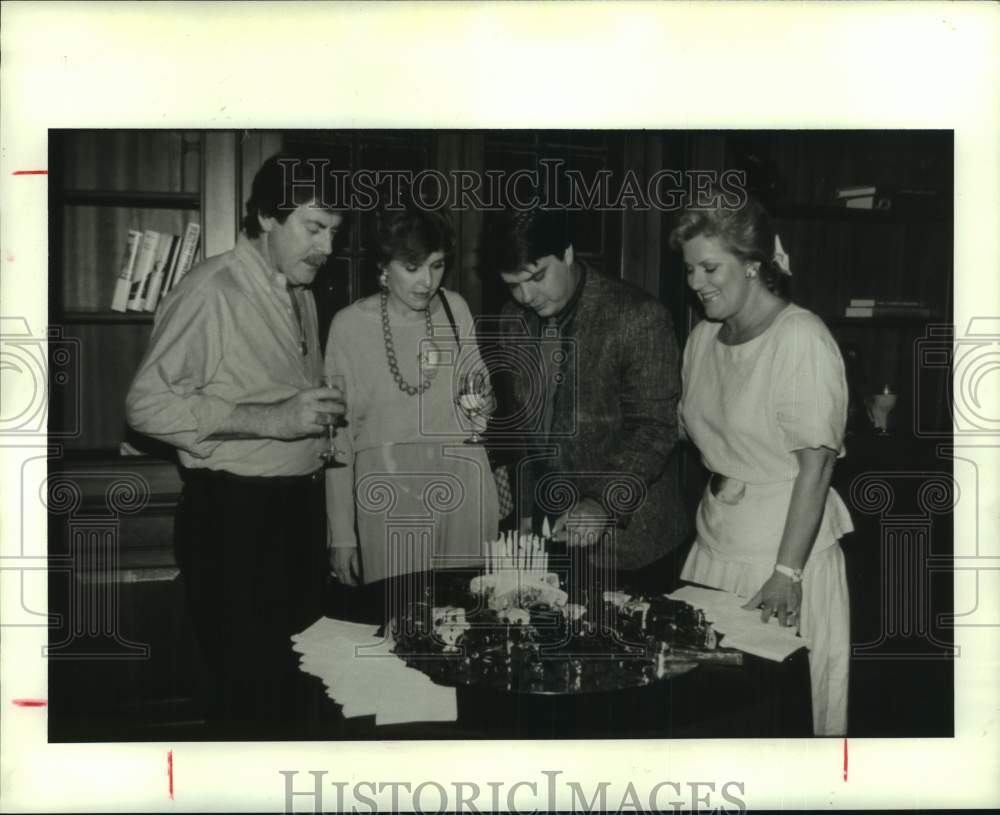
(779, 595)
(345, 565)
(480, 407)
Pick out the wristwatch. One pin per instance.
(787, 571)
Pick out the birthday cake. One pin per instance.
(519, 626)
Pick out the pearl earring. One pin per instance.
(751, 274)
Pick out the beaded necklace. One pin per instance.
(390, 349)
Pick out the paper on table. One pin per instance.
(743, 628)
(361, 674)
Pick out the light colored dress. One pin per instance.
(748, 407)
(419, 496)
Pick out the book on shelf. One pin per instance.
(857, 191)
(171, 271)
(863, 197)
(164, 262)
(887, 308)
(143, 268)
(185, 257)
(123, 285)
(906, 200)
(860, 202)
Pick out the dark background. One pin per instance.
(123, 661)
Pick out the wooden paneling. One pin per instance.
(836, 260)
(905, 253)
(464, 151)
(124, 656)
(94, 699)
(109, 355)
(351, 151)
(546, 156)
(255, 146)
(125, 160)
(642, 233)
(220, 202)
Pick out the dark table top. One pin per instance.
(757, 699)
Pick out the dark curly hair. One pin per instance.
(411, 234)
(283, 182)
(513, 239)
(745, 231)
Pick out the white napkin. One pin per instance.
(362, 675)
(743, 628)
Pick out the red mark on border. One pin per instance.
(170, 772)
(30, 172)
(845, 759)
(30, 702)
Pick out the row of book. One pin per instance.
(153, 263)
(870, 307)
(868, 196)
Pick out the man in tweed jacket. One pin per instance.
(590, 384)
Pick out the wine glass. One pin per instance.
(879, 406)
(329, 456)
(474, 398)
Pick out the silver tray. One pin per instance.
(558, 659)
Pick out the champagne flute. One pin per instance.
(473, 398)
(329, 456)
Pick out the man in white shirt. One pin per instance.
(232, 379)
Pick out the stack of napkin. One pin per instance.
(743, 628)
(362, 675)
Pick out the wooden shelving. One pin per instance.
(133, 198)
(903, 253)
(103, 184)
(831, 212)
(883, 322)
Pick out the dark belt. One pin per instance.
(728, 490)
(193, 475)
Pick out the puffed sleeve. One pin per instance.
(810, 386)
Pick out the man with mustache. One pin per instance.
(231, 380)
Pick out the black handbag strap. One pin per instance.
(450, 316)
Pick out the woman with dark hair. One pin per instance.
(412, 496)
(765, 401)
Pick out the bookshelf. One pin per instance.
(799, 210)
(133, 198)
(904, 253)
(102, 184)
